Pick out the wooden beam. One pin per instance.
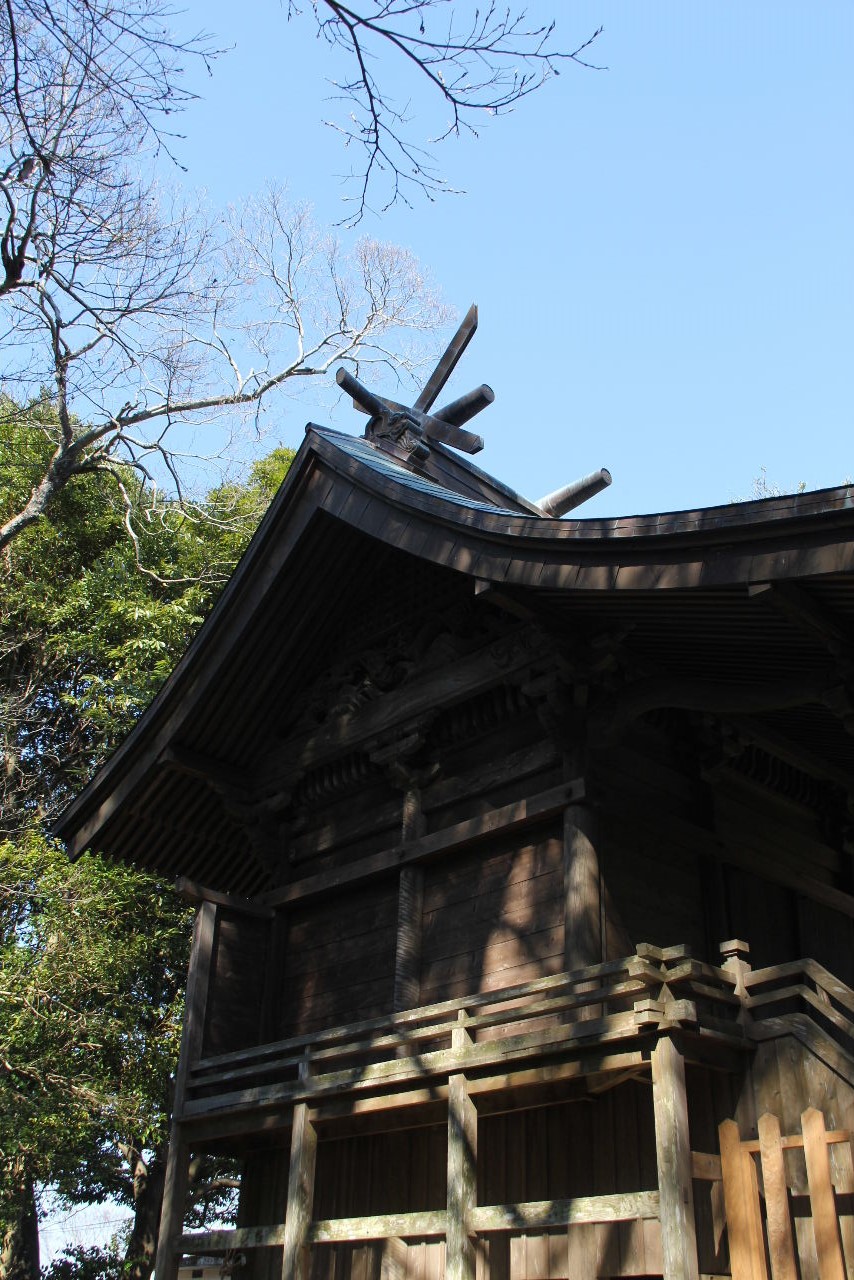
(462, 1180)
(300, 1206)
(528, 1081)
(510, 817)
(793, 753)
(465, 786)
(220, 775)
(411, 1040)
(673, 1156)
(449, 360)
(387, 1226)
(398, 1074)
(192, 891)
(540, 1215)
(798, 606)
(709, 696)
(233, 1238)
(178, 1161)
(412, 1020)
(441, 686)
(706, 1168)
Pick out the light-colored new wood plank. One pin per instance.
(744, 1225)
(825, 1225)
(781, 1248)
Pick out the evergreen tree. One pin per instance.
(92, 955)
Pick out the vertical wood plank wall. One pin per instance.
(339, 959)
(588, 1147)
(493, 917)
(239, 958)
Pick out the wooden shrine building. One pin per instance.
(524, 860)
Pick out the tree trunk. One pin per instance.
(19, 1256)
(148, 1183)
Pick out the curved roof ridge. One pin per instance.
(753, 514)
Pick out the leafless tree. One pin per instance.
(130, 308)
(470, 60)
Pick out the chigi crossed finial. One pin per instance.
(414, 427)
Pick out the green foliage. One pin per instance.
(92, 962)
(92, 955)
(86, 637)
(80, 1263)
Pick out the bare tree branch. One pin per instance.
(471, 61)
(138, 314)
(141, 316)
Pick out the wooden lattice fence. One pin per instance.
(759, 1206)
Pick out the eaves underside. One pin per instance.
(305, 550)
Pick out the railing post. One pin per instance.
(735, 953)
(781, 1245)
(192, 1035)
(673, 1156)
(462, 1179)
(825, 1222)
(741, 1201)
(300, 1206)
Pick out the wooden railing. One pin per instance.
(802, 987)
(647, 995)
(432, 1224)
(602, 1004)
(759, 1222)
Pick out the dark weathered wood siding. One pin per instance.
(493, 917)
(339, 959)
(238, 969)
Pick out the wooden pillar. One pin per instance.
(300, 1206)
(192, 1035)
(673, 1156)
(410, 904)
(407, 960)
(462, 1180)
(583, 944)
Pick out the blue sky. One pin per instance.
(661, 252)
